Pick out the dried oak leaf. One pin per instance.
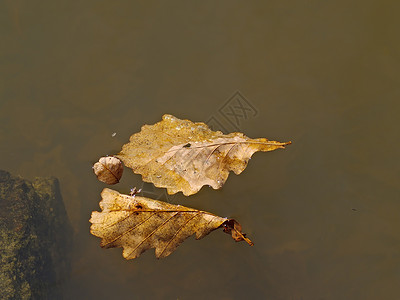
(183, 156)
(138, 223)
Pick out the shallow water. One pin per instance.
(323, 214)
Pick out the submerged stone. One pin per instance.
(35, 238)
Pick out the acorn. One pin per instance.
(108, 169)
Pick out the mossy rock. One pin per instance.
(35, 238)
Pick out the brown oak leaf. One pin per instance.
(138, 223)
(183, 156)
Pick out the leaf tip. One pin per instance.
(235, 229)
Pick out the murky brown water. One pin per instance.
(324, 213)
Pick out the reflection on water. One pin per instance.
(323, 213)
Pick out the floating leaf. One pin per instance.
(108, 169)
(138, 223)
(183, 156)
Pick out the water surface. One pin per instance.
(323, 214)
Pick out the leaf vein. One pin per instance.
(176, 233)
(151, 233)
(129, 230)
